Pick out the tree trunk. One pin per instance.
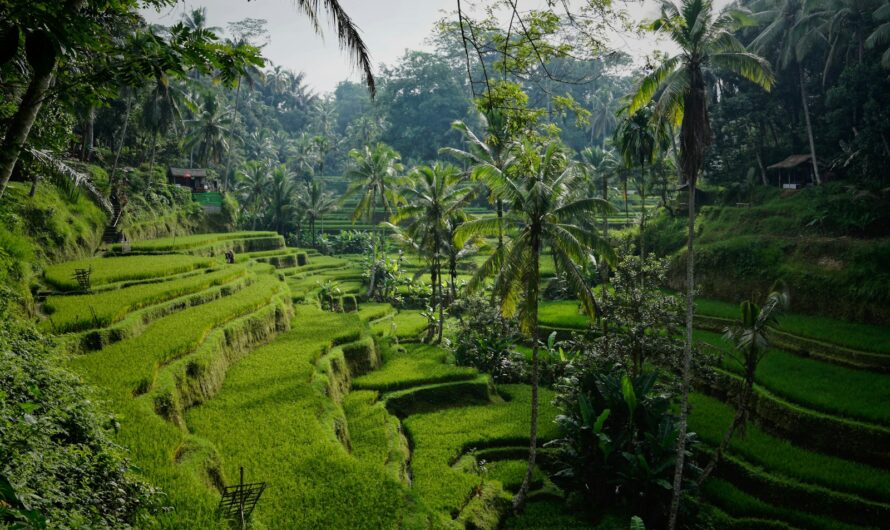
(738, 419)
(643, 210)
(120, 145)
(687, 359)
(35, 178)
(86, 147)
(806, 115)
(604, 267)
(500, 208)
(534, 284)
(21, 123)
(441, 301)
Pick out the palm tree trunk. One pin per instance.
(604, 267)
(120, 145)
(500, 208)
(441, 301)
(737, 420)
(806, 115)
(643, 210)
(20, 126)
(687, 359)
(154, 145)
(534, 281)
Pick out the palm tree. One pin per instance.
(374, 173)
(750, 338)
(490, 156)
(210, 131)
(160, 111)
(315, 203)
(602, 121)
(707, 44)
(253, 181)
(637, 142)
(433, 196)
(881, 34)
(542, 215)
(791, 32)
(281, 192)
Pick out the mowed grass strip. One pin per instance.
(440, 438)
(270, 418)
(73, 312)
(119, 269)
(710, 417)
(857, 336)
(830, 388)
(418, 364)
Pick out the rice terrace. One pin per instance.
(489, 264)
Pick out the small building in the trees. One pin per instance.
(793, 173)
(193, 178)
(702, 198)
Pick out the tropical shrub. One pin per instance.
(58, 464)
(487, 341)
(617, 440)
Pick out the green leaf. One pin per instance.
(630, 397)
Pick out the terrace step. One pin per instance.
(855, 440)
(809, 498)
(807, 347)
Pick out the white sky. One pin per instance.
(389, 27)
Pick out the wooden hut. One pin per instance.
(794, 172)
(193, 178)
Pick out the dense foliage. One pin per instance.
(81, 478)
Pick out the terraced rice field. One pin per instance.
(352, 423)
(211, 367)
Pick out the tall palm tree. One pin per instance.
(211, 128)
(160, 111)
(792, 29)
(543, 215)
(253, 181)
(881, 34)
(602, 121)
(434, 195)
(281, 192)
(707, 43)
(315, 204)
(374, 173)
(637, 140)
(489, 156)
(750, 338)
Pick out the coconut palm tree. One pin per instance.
(489, 157)
(881, 34)
(791, 31)
(637, 141)
(374, 173)
(315, 204)
(750, 339)
(161, 111)
(253, 181)
(707, 44)
(210, 132)
(542, 215)
(433, 196)
(281, 192)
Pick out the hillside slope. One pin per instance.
(830, 245)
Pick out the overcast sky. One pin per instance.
(388, 26)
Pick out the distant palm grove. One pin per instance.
(529, 277)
